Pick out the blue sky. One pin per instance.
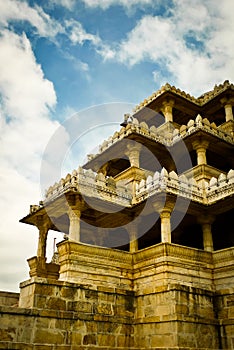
(97, 58)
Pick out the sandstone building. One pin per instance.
(147, 259)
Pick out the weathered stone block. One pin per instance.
(8, 334)
(49, 336)
(168, 340)
(103, 308)
(76, 338)
(80, 306)
(56, 303)
(106, 340)
(90, 339)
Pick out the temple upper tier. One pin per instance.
(167, 175)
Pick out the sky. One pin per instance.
(70, 69)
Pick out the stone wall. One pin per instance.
(62, 315)
(9, 298)
(165, 297)
(176, 316)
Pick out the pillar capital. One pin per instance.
(166, 109)
(200, 146)
(165, 209)
(205, 219)
(133, 146)
(227, 101)
(165, 205)
(75, 201)
(43, 222)
(133, 153)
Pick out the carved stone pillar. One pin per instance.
(206, 224)
(133, 153)
(165, 217)
(74, 227)
(167, 108)
(43, 225)
(227, 104)
(133, 242)
(200, 147)
(165, 210)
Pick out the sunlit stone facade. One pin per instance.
(148, 250)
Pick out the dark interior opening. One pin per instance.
(222, 231)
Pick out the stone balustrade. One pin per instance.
(215, 189)
(220, 187)
(96, 185)
(169, 183)
(167, 139)
(91, 184)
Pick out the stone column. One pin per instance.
(165, 217)
(167, 107)
(165, 209)
(200, 147)
(133, 242)
(133, 153)
(206, 224)
(227, 104)
(43, 225)
(74, 228)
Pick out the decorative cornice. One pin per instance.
(201, 100)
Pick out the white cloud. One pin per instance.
(26, 98)
(26, 94)
(78, 35)
(193, 45)
(104, 4)
(15, 10)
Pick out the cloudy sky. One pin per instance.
(98, 58)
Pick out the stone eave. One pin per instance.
(215, 141)
(189, 106)
(171, 91)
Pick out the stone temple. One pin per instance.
(147, 260)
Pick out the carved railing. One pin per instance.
(97, 185)
(169, 183)
(91, 184)
(215, 189)
(167, 139)
(221, 187)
